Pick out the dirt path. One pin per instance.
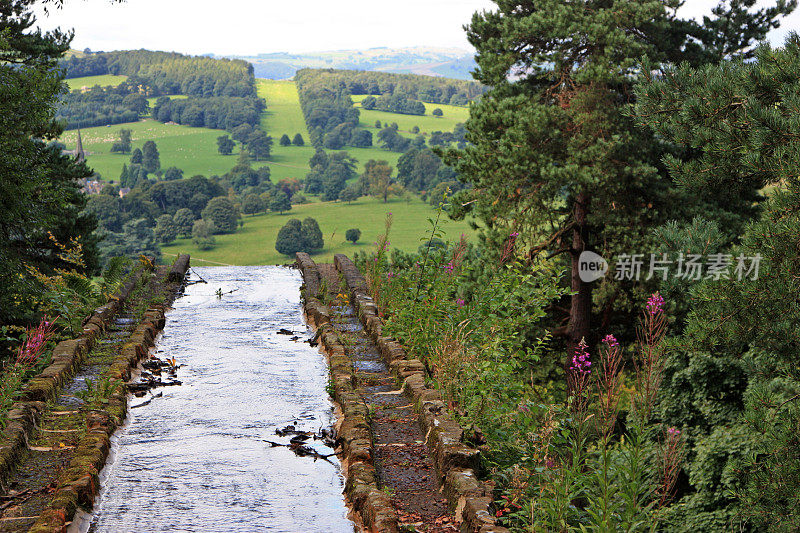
(401, 457)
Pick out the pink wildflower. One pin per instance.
(655, 304)
(611, 341)
(580, 360)
(460, 302)
(35, 342)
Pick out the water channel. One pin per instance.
(195, 459)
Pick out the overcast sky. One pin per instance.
(246, 27)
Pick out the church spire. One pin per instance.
(80, 156)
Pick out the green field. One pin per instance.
(283, 115)
(90, 81)
(254, 244)
(192, 149)
(427, 123)
(195, 150)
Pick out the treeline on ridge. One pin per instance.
(217, 112)
(221, 92)
(430, 89)
(169, 72)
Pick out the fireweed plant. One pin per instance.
(592, 476)
(560, 465)
(33, 353)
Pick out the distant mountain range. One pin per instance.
(445, 62)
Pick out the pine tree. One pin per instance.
(742, 336)
(555, 155)
(151, 160)
(39, 190)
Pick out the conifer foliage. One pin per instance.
(741, 121)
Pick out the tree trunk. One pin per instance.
(581, 307)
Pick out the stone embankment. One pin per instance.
(54, 444)
(404, 464)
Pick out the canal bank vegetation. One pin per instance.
(658, 400)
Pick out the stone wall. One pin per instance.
(368, 502)
(456, 462)
(79, 484)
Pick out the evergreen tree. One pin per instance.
(298, 140)
(137, 157)
(151, 161)
(741, 341)
(38, 185)
(555, 155)
(124, 176)
(285, 141)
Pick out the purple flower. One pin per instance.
(515, 234)
(611, 341)
(655, 304)
(673, 432)
(461, 302)
(580, 360)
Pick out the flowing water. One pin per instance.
(194, 459)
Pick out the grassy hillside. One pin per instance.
(91, 81)
(195, 151)
(427, 123)
(254, 244)
(192, 149)
(284, 115)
